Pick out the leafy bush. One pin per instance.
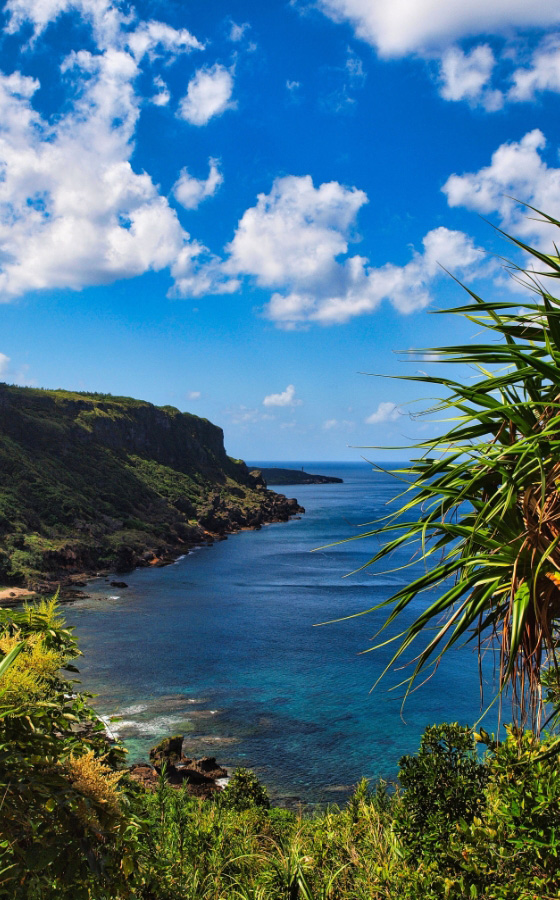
(244, 791)
(511, 849)
(63, 827)
(443, 785)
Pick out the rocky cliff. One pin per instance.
(91, 481)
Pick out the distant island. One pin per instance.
(277, 476)
(93, 482)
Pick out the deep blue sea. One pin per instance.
(222, 646)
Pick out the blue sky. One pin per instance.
(239, 208)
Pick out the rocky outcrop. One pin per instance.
(91, 482)
(200, 776)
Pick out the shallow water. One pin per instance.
(222, 645)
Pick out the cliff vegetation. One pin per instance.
(91, 481)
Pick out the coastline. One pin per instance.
(70, 582)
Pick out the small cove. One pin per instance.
(222, 646)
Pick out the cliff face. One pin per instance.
(89, 481)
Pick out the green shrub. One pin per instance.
(244, 791)
(64, 828)
(511, 849)
(443, 785)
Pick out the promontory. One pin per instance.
(92, 481)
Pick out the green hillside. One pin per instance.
(93, 481)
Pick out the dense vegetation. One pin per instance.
(73, 825)
(92, 481)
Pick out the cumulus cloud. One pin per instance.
(385, 412)
(543, 73)
(73, 212)
(516, 169)
(294, 240)
(191, 191)
(405, 26)
(111, 26)
(466, 76)
(194, 395)
(4, 363)
(162, 97)
(285, 398)
(208, 95)
(295, 232)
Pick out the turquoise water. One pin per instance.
(222, 645)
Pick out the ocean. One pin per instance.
(225, 646)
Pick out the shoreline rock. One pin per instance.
(201, 776)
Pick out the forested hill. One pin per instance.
(93, 481)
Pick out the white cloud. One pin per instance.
(208, 95)
(73, 212)
(286, 398)
(237, 32)
(293, 242)
(295, 232)
(516, 169)
(466, 76)
(150, 37)
(111, 26)
(191, 191)
(292, 85)
(403, 26)
(543, 74)
(385, 412)
(337, 424)
(194, 395)
(243, 415)
(163, 96)
(4, 363)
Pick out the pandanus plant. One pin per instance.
(482, 500)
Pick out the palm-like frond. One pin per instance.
(483, 498)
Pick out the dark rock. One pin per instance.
(169, 750)
(208, 766)
(118, 584)
(198, 776)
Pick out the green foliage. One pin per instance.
(443, 785)
(62, 821)
(74, 827)
(90, 480)
(511, 849)
(244, 791)
(481, 502)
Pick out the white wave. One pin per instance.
(133, 710)
(161, 725)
